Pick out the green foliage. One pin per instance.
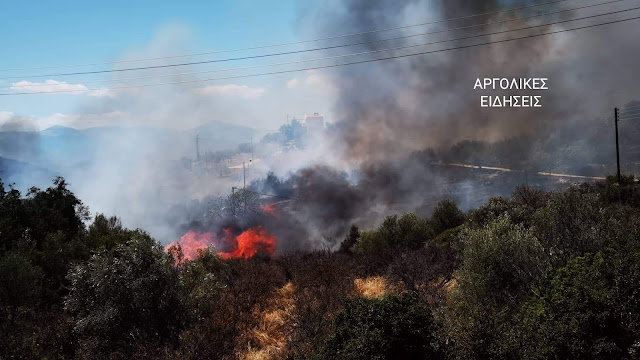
(125, 298)
(627, 192)
(502, 263)
(572, 224)
(494, 208)
(394, 327)
(20, 285)
(26, 222)
(407, 231)
(106, 232)
(451, 239)
(586, 309)
(371, 241)
(200, 281)
(446, 215)
(536, 276)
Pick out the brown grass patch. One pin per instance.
(267, 339)
(372, 287)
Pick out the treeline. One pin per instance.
(539, 275)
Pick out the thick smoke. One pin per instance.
(392, 107)
(367, 167)
(389, 110)
(392, 120)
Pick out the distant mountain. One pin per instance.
(24, 174)
(20, 145)
(60, 131)
(64, 149)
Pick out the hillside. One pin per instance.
(20, 173)
(65, 149)
(538, 275)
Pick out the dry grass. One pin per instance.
(451, 285)
(267, 339)
(372, 287)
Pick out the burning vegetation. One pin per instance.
(548, 271)
(245, 245)
(366, 263)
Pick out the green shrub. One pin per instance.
(446, 215)
(502, 264)
(126, 298)
(394, 327)
(586, 310)
(405, 232)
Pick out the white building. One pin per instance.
(314, 123)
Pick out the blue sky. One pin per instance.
(38, 33)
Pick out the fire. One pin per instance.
(250, 242)
(269, 209)
(245, 245)
(191, 242)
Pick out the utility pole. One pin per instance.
(617, 145)
(251, 159)
(197, 148)
(233, 200)
(244, 186)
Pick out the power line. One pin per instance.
(333, 65)
(225, 60)
(346, 45)
(635, 112)
(290, 43)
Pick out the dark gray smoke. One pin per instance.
(389, 108)
(391, 112)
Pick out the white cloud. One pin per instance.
(58, 86)
(293, 83)
(82, 121)
(5, 116)
(231, 90)
(315, 82)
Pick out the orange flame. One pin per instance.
(191, 242)
(269, 209)
(251, 242)
(245, 245)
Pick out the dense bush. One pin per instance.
(446, 215)
(502, 264)
(537, 276)
(587, 309)
(126, 297)
(396, 232)
(394, 327)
